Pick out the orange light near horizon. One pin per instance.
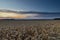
(14, 15)
(11, 15)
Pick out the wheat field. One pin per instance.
(30, 30)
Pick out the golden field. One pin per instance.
(30, 30)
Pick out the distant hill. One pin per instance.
(27, 19)
(23, 19)
(57, 19)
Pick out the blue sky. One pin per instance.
(32, 5)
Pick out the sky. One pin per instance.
(31, 5)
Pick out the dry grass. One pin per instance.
(30, 30)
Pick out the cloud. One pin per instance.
(27, 15)
(15, 15)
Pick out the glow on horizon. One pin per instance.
(15, 15)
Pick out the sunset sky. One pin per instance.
(16, 15)
(30, 5)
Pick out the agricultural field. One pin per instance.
(30, 30)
